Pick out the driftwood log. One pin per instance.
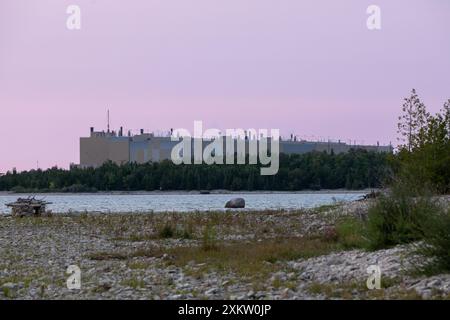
(28, 207)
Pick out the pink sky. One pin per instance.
(306, 67)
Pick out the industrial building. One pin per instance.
(113, 146)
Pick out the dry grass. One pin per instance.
(251, 258)
(137, 227)
(118, 255)
(134, 283)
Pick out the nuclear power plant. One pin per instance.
(102, 146)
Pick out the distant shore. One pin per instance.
(193, 192)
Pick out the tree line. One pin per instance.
(356, 169)
(423, 158)
(410, 209)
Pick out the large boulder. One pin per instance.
(235, 203)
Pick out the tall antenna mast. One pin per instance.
(108, 120)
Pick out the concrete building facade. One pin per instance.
(113, 146)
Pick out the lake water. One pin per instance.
(64, 203)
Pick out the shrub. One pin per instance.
(436, 244)
(350, 233)
(398, 218)
(172, 230)
(186, 234)
(330, 234)
(167, 231)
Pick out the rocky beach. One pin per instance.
(277, 254)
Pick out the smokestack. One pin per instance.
(121, 132)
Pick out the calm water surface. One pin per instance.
(65, 203)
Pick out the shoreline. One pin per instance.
(196, 192)
(231, 255)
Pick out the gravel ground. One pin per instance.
(127, 256)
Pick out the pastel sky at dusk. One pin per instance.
(305, 67)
